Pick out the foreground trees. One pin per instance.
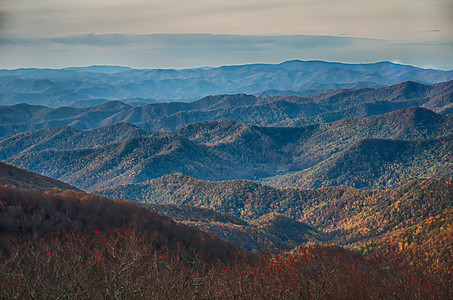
(125, 264)
(71, 245)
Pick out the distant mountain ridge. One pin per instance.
(268, 111)
(57, 87)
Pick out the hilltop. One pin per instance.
(248, 109)
(221, 150)
(272, 232)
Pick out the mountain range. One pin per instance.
(249, 214)
(271, 232)
(365, 138)
(219, 150)
(336, 179)
(57, 87)
(242, 108)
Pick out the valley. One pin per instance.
(317, 173)
(224, 150)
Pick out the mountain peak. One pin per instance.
(225, 101)
(112, 105)
(409, 87)
(413, 115)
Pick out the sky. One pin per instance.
(183, 34)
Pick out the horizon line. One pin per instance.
(227, 65)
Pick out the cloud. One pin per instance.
(192, 40)
(193, 50)
(2, 20)
(385, 19)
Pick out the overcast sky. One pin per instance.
(177, 33)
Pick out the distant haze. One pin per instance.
(97, 84)
(179, 34)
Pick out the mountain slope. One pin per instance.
(20, 178)
(86, 246)
(269, 233)
(326, 107)
(344, 215)
(31, 214)
(67, 138)
(431, 239)
(378, 164)
(275, 111)
(217, 149)
(133, 160)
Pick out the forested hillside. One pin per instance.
(67, 138)
(95, 246)
(378, 164)
(430, 240)
(25, 215)
(272, 232)
(20, 178)
(345, 215)
(228, 150)
(248, 109)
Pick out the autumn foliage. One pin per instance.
(76, 246)
(121, 265)
(37, 214)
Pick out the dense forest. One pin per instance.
(20, 178)
(39, 214)
(85, 246)
(377, 164)
(419, 146)
(343, 215)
